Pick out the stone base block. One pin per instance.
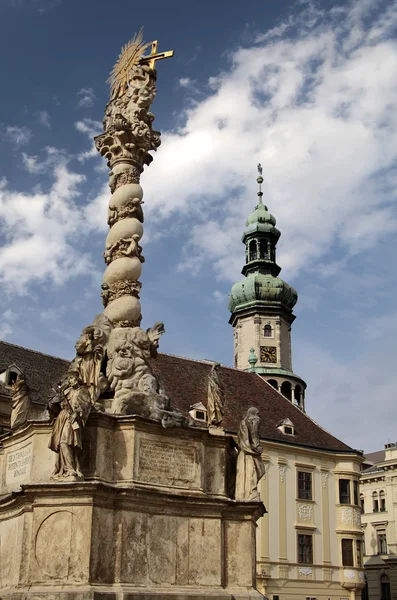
(152, 520)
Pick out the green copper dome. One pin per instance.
(261, 288)
(261, 220)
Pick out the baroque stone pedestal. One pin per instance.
(153, 518)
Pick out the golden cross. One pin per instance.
(154, 55)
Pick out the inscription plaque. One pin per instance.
(166, 463)
(18, 464)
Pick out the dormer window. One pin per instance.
(198, 412)
(9, 376)
(286, 427)
(12, 377)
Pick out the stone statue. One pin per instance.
(250, 467)
(129, 372)
(77, 394)
(90, 349)
(216, 397)
(20, 403)
(75, 403)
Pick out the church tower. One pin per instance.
(261, 305)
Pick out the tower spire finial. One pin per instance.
(259, 179)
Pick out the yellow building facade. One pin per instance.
(310, 543)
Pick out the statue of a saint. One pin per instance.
(20, 404)
(250, 467)
(216, 397)
(90, 349)
(66, 440)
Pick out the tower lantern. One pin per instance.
(261, 305)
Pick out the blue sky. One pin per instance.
(309, 89)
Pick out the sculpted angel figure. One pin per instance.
(74, 402)
(250, 467)
(20, 404)
(216, 397)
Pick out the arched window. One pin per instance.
(375, 502)
(267, 330)
(298, 395)
(286, 389)
(382, 501)
(262, 249)
(385, 588)
(273, 383)
(253, 250)
(362, 503)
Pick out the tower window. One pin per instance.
(253, 253)
(263, 249)
(267, 330)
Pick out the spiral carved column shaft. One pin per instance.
(123, 252)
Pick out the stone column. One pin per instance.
(126, 143)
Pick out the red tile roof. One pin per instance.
(186, 381)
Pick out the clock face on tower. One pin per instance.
(268, 354)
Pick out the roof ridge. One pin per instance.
(35, 351)
(204, 361)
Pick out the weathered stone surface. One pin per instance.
(152, 516)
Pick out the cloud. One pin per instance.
(86, 98)
(91, 128)
(18, 136)
(35, 164)
(185, 82)
(356, 391)
(41, 229)
(7, 320)
(312, 100)
(44, 118)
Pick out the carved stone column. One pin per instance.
(126, 143)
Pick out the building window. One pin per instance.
(359, 553)
(305, 549)
(355, 492)
(253, 250)
(382, 543)
(304, 485)
(344, 491)
(267, 330)
(347, 553)
(385, 588)
(362, 503)
(382, 501)
(12, 377)
(375, 502)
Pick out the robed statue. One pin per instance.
(74, 402)
(250, 467)
(20, 402)
(216, 397)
